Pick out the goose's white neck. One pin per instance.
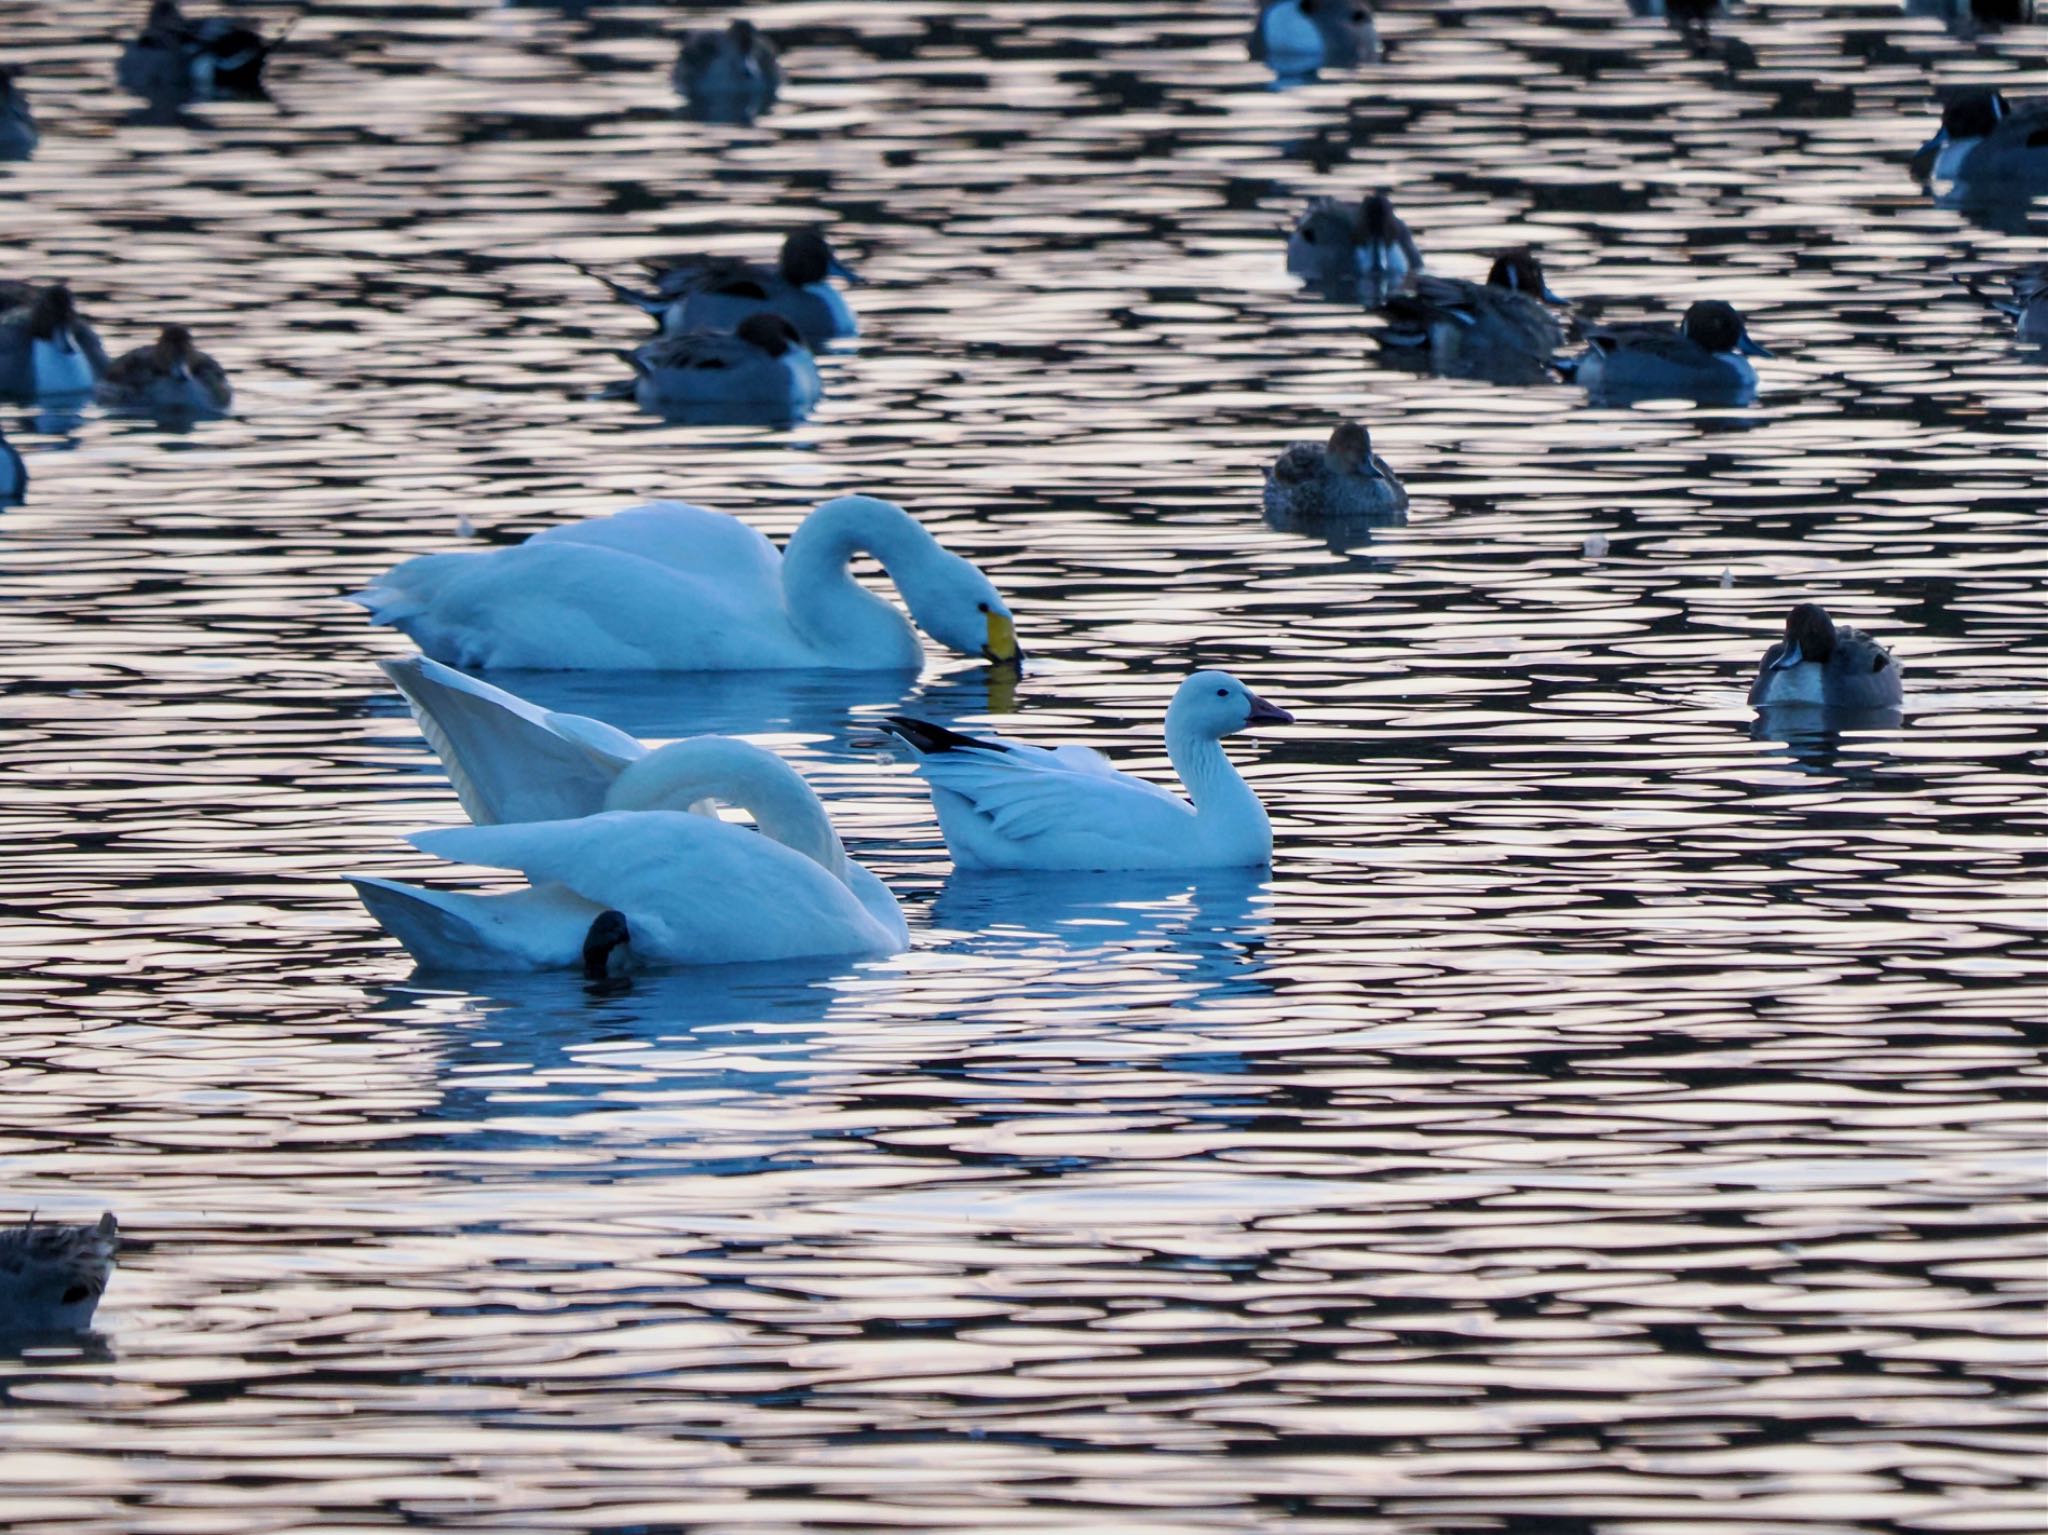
(684, 774)
(1226, 810)
(834, 612)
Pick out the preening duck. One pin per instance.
(669, 587)
(1497, 330)
(47, 350)
(1003, 804)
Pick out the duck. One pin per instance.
(175, 57)
(1705, 358)
(52, 1276)
(760, 370)
(1004, 804)
(717, 292)
(1299, 37)
(1822, 663)
(170, 377)
(1987, 142)
(727, 77)
(18, 135)
(2028, 306)
(672, 587)
(13, 473)
(652, 876)
(47, 349)
(1341, 249)
(1497, 330)
(1343, 479)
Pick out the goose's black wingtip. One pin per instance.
(928, 739)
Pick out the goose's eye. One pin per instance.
(1223, 692)
(981, 607)
(1358, 15)
(1309, 235)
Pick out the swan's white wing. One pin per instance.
(510, 760)
(694, 539)
(695, 891)
(559, 603)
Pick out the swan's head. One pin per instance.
(958, 606)
(1216, 704)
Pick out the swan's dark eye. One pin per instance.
(1223, 692)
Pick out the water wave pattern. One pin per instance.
(1607, 1117)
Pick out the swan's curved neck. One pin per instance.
(1222, 798)
(684, 774)
(830, 609)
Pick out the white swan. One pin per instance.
(1005, 805)
(604, 827)
(669, 587)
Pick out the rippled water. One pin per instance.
(1605, 1118)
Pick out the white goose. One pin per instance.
(621, 845)
(1005, 805)
(669, 587)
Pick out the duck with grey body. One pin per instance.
(1313, 483)
(1704, 358)
(1987, 145)
(731, 76)
(1299, 37)
(1497, 330)
(759, 371)
(1822, 664)
(717, 292)
(169, 377)
(18, 136)
(48, 351)
(52, 1276)
(1364, 251)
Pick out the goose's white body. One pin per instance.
(670, 587)
(1007, 805)
(597, 821)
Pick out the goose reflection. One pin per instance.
(1203, 932)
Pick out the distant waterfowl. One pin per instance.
(668, 587)
(175, 57)
(1987, 142)
(1005, 805)
(1312, 482)
(1498, 329)
(718, 292)
(169, 377)
(731, 76)
(13, 472)
(1298, 37)
(1825, 664)
(52, 1276)
(1705, 358)
(2027, 308)
(1344, 250)
(18, 134)
(762, 370)
(687, 887)
(47, 349)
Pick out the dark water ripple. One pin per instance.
(1607, 1118)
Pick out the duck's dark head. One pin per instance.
(808, 257)
(164, 14)
(1350, 448)
(769, 332)
(1809, 635)
(1972, 115)
(1519, 271)
(174, 351)
(743, 35)
(1718, 327)
(607, 947)
(1377, 220)
(54, 313)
